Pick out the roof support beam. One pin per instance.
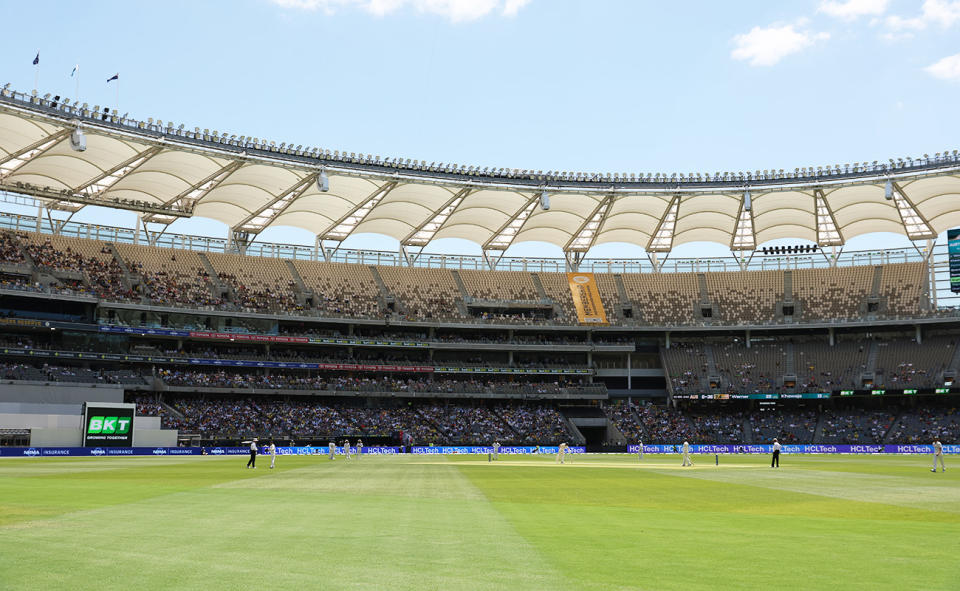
(276, 206)
(11, 162)
(505, 236)
(424, 233)
(744, 237)
(916, 226)
(108, 178)
(586, 235)
(662, 240)
(343, 227)
(187, 199)
(827, 232)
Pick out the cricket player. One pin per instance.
(686, 454)
(252, 462)
(346, 448)
(272, 450)
(640, 450)
(775, 460)
(561, 452)
(333, 449)
(359, 447)
(938, 454)
(496, 449)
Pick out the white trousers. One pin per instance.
(686, 460)
(935, 457)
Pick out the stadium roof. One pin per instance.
(165, 172)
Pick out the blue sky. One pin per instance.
(601, 85)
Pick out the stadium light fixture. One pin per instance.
(323, 181)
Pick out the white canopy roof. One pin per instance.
(251, 185)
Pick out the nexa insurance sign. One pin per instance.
(108, 426)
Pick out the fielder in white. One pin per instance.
(938, 454)
(346, 448)
(359, 447)
(496, 450)
(561, 452)
(272, 450)
(686, 454)
(333, 449)
(640, 449)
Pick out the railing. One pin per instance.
(27, 223)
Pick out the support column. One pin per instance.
(629, 371)
(832, 339)
(667, 335)
(748, 338)
(919, 335)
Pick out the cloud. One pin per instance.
(454, 10)
(853, 9)
(943, 13)
(946, 69)
(767, 46)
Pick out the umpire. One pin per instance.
(252, 462)
(775, 460)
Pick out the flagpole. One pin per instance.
(36, 75)
(77, 84)
(117, 101)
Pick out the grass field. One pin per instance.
(598, 522)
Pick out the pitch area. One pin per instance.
(461, 522)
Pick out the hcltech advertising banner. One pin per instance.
(108, 424)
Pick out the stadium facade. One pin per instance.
(217, 334)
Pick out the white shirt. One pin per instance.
(776, 446)
(253, 446)
(937, 448)
(686, 447)
(273, 449)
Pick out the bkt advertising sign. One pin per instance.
(108, 425)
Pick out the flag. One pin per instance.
(76, 68)
(114, 77)
(36, 60)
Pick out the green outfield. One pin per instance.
(393, 523)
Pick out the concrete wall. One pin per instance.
(56, 438)
(154, 437)
(55, 393)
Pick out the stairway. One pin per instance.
(889, 434)
(788, 287)
(877, 281)
(818, 430)
(747, 428)
(460, 284)
(302, 291)
(129, 280)
(386, 298)
(219, 288)
(711, 366)
(541, 292)
(790, 359)
(702, 282)
(955, 360)
(872, 357)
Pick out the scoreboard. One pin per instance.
(108, 424)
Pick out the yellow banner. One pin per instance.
(586, 298)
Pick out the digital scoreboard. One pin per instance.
(108, 424)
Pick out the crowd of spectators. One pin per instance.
(308, 418)
(921, 425)
(789, 426)
(855, 426)
(10, 250)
